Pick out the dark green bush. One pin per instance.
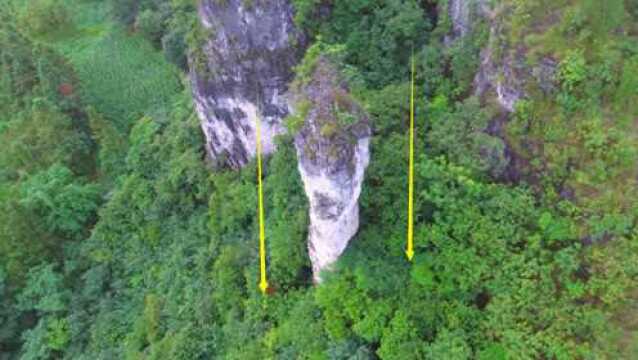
(149, 23)
(39, 17)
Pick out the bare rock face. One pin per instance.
(500, 76)
(459, 14)
(332, 148)
(463, 14)
(250, 57)
(495, 76)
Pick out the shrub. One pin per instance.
(174, 47)
(44, 16)
(295, 121)
(149, 24)
(125, 11)
(123, 76)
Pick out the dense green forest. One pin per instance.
(119, 239)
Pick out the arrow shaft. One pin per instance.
(262, 230)
(411, 167)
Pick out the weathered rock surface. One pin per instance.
(463, 14)
(332, 148)
(495, 76)
(505, 76)
(250, 56)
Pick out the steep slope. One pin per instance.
(251, 56)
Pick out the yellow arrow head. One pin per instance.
(410, 254)
(263, 286)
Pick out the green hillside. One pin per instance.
(119, 239)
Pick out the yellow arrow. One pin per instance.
(263, 284)
(409, 252)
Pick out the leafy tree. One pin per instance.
(149, 24)
(125, 11)
(174, 47)
(40, 17)
(378, 44)
(44, 291)
(112, 145)
(461, 134)
(63, 205)
(449, 345)
(32, 69)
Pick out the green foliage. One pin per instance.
(35, 346)
(319, 49)
(572, 137)
(8, 319)
(460, 133)
(174, 46)
(58, 334)
(63, 205)
(118, 73)
(130, 245)
(464, 60)
(305, 12)
(112, 80)
(31, 69)
(400, 339)
(44, 291)
(450, 345)
(328, 130)
(149, 24)
(125, 11)
(43, 150)
(39, 17)
(294, 122)
(39, 138)
(378, 44)
(287, 219)
(626, 97)
(571, 73)
(493, 352)
(112, 145)
(604, 16)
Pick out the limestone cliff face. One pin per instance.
(499, 77)
(332, 148)
(250, 57)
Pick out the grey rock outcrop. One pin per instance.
(249, 64)
(499, 76)
(505, 76)
(459, 13)
(332, 148)
(463, 15)
(250, 58)
(495, 76)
